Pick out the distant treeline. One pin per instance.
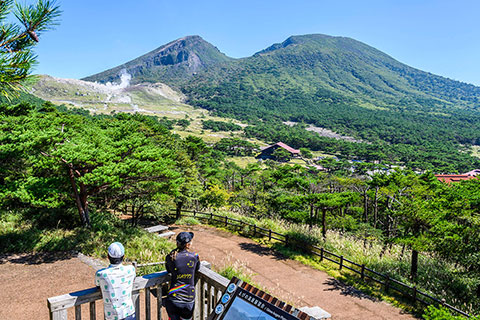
(216, 126)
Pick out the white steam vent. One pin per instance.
(125, 78)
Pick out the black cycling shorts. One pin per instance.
(179, 310)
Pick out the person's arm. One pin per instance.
(97, 280)
(197, 267)
(169, 266)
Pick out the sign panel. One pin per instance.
(241, 301)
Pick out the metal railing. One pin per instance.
(208, 290)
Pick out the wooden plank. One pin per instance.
(85, 296)
(59, 315)
(209, 298)
(215, 296)
(93, 313)
(136, 301)
(166, 234)
(73, 299)
(196, 311)
(78, 312)
(148, 313)
(159, 303)
(151, 280)
(202, 299)
(158, 228)
(213, 278)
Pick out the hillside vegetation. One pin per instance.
(410, 116)
(62, 169)
(154, 99)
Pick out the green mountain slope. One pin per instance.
(349, 66)
(335, 83)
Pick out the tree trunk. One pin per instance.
(310, 221)
(324, 223)
(365, 206)
(375, 208)
(414, 268)
(133, 215)
(179, 206)
(78, 201)
(84, 199)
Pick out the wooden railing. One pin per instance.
(365, 273)
(208, 290)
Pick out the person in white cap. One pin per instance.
(116, 283)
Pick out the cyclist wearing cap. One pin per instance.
(183, 265)
(116, 283)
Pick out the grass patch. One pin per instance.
(242, 162)
(19, 235)
(476, 151)
(187, 221)
(235, 270)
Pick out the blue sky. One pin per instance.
(442, 37)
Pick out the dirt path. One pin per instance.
(27, 280)
(289, 280)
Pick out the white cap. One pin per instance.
(116, 250)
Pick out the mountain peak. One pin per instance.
(186, 56)
(294, 40)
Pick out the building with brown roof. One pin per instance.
(267, 152)
(448, 178)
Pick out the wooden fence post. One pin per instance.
(194, 212)
(387, 283)
(59, 315)
(254, 230)
(78, 312)
(136, 301)
(414, 295)
(148, 312)
(286, 240)
(226, 221)
(341, 262)
(270, 235)
(93, 311)
(321, 254)
(159, 302)
(362, 273)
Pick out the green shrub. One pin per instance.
(230, 271)
(300, 239)
(187, 221)
(441, 313)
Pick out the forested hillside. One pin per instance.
(63, 169)
(330, 82)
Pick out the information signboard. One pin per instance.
(241, 301)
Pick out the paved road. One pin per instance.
(289, 280)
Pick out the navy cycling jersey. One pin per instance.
(183, 269)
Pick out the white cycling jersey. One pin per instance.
(116, 283)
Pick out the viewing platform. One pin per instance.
(209, 288)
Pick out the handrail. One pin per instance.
(207, 279)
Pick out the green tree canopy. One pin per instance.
(18, 39)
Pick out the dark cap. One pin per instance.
(184, 237)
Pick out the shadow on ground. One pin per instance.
(261, 251)
(35, 258)
(346, 290)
